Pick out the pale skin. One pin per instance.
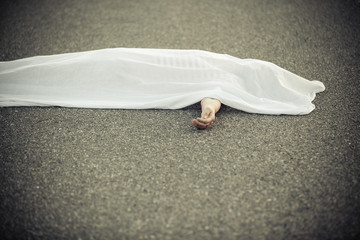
(209, 107)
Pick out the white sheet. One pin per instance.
(131, 78)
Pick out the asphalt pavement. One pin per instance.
(68, 173)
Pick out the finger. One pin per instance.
(198, 124)
(209, 119)
(202, 120)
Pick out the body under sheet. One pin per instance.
(133, 78)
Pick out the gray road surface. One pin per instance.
(148, 174)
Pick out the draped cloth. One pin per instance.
(133, 78)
